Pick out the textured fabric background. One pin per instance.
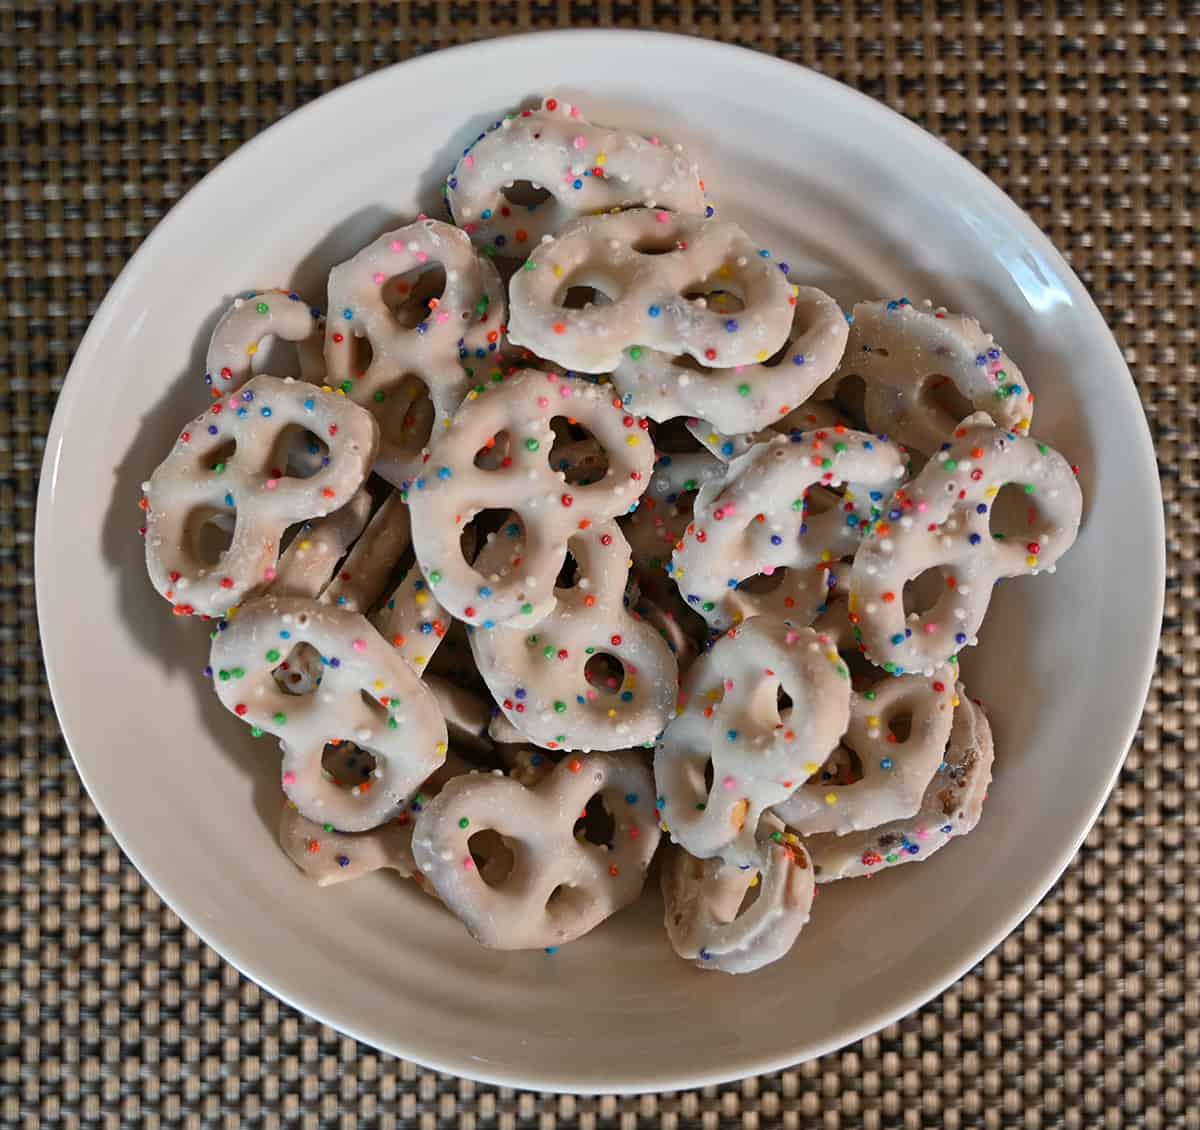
(113, 1013)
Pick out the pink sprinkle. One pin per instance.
(729, 684)
(552, 378)
(738, 368)
(233, 404)
(768, 571)
(469, 161)
(359, 645)
(269, 575)
(632, 669)
(543, 402)
(922, 833)
(574, 111)
(655, 140)
(289, 778)
(468, 863)
(271, 484)
(729, 782)
(470, 229)
(422, 257)
(590, 695)
(922, 507)
(680, 699)
(931, 628)
(564, 391)
(791, 637)
(822, 638)
(443, 318)
(397, 245)
(662, 217)
(380, 278)
(580, 142)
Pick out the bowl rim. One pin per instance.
(1038, 884)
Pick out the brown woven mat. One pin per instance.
(113, 1013)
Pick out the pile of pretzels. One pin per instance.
(579, 529)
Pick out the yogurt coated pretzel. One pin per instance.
(451, 490)
(951, 806)
(401, 727)
(941, 521)
(665, 510)
(467, 318)
(728, 446)
(328, 856)
(905, 353)
(756, 520)
(206, 478)
(894, 772)
(585, 168)
(745, 397)
(702, 899)
(250, 319)
(647, 307)
(539, 678)
(559, 887)
(363, 577)
(728, 714)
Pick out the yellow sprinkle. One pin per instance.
(557, 272)
(852, 602)
(420, 660)
(955, 700)
(754, 881)
(601, 159)
(991, 492)
(232, 612)
(848, 495)
(305, 544)
(831, 798)
(1031, 561)
(761, 355)
(712, 695)
(872, 720)
(633, 441)
(326, 388)
(826, 555)
(340, 391)
(737, 618)
(251, 350)
(611, 712)
(377, 685)
(472, 395)
(723, 273)
(795, 291)
(440, 747)
(811, 768)
(792, 839)
(713, 437)
(421, 598)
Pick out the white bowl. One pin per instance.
(860, 202)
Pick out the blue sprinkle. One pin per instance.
(764, 254)
(776, 539)
(898, 639)
(484, 591)
(488, 625)
(627, 696)
(426, 628)
(960, 638)
(731, 326)
(577, 184)
(974, 539)
(519, 692)
(265, 412)
(228, 499)
(500, 241)
(285, 635)
(552, 949)
(875, 495)
(247, 396)
(798, 359)
(212, 429)
(309, 404)
(654, 311)
(727, 448)
(886, 763)
(343, 861)
(708, 211)
(453, 182)
(422, 327)
(486, 214)
(334, 661)
(660, 803)
(241, 411)
(631, 798)
(443, 472)
(347, 313)
(981, 508)
(731, 735)
(420, 484)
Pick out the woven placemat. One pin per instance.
(115, 1014)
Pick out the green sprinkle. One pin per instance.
(1029, 488)
(434, 576)
(532, 444)
(529, 265)
(826, 464)
(262, 308)
(949, 465)
(839, 448)
(327, 828)
(842, 670)
(280, 718)
(743, 390)
(689, 484)
(635, 352)
(392, 724)
(526, 609)
(890, 858)
(560, 707)
(798, 504)
(1043, 449)
(223, 676)
(701, 806)
(346, 386)
(219, 468)
(548, 652)
(380, 397)
(272, 656)
(238, 672)
(256, 732)
(482, 305)
(708, 606)
(777, 837)
(464, 822)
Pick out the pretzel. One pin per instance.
(583, 168)
(539, 677)
(305, 566)
(727, 446)
(664, 512)
(360, 582)
(401, 726)
(941, 521)
(644, 263)
(451, 490)
(252, 318)
(464, 323)
(745, 397)
(894, 769)
(728, 714)
(226, 463)
(756, 520)
(703, 897)
(905, 354)
(559, 887)
(328, 856)
(951, 806)
(666, 622)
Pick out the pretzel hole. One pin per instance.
(579, 297)
(753, 890)
(298, 452)
(576, 453)
(210, 533)
(277, 356)
(596, 824)
(604, 672)
(850, 398)
(407, 296)
(300, 671)
(922, 592)
(219, 456)
(498, 447)
(939, 393)
(715, 298)
(783, 702)
(525, 194)
(900, 725)
(652, 245)
(568, 575)
(863, 673)
(672, 437)
(493, 855)
(760, 584)
(484, 529)
(567, 903)
(1014, 515)
(404, 411)
(347, 765)
(842, 767)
